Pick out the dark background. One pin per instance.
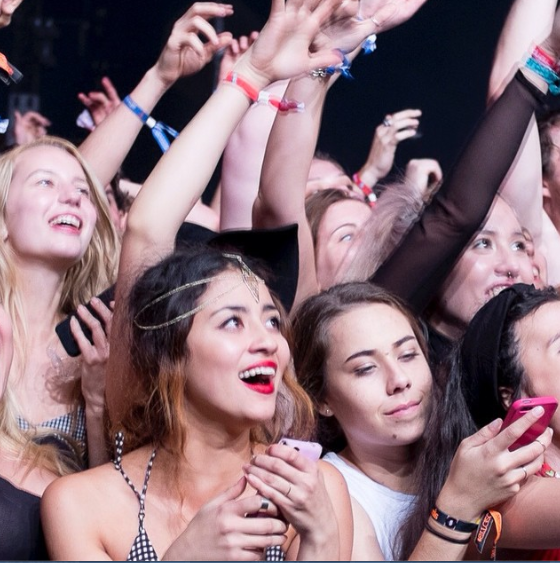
(439, 62)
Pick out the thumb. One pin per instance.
(232, 493)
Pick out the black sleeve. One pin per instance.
(419, 265)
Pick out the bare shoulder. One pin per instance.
(332, 476)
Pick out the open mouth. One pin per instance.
(496, 290)
(66, 221)
(260, 379)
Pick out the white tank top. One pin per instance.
(386, 508)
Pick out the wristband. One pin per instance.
(452, 523)
(368, 192)
(262, 97)
(158, 128)
(446, 538)
(545, 72)
(545, 58)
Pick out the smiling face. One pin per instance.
(494, 259)
(238, 355)
(378, 380)
(49, 214)
(539, 352)
(337, 229)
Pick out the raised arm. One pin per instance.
(184, 54)
(462, 202)
(527, 24)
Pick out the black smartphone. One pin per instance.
(63, 328)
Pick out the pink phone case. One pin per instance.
(311, 450)
(522, 406)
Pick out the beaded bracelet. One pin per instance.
(539, 54)
(452, 523)
(158, 128)
(545, 72)
(368, 192)
(262, 97)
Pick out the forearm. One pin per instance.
(528, 21)
(106, 147)
(288, 156)
(97, 453)
(242, 163)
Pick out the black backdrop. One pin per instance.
(439, 62)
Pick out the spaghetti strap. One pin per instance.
(142, 549)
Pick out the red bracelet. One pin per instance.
(366, 190)
(539, 54)
(262, 97)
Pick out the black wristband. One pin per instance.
(452, 523)
(444, 537)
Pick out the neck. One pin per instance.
(391, 466)
(40, 289)
(448, 326)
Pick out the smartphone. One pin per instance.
(63, 328)
(521, 407)
(311, 450)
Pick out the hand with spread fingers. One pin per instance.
(232, 53)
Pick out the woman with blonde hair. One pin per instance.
(60, 250)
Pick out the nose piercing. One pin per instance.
(509, 274)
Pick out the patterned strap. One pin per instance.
(117, 462)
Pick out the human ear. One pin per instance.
(506, 396)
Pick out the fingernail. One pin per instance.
(538, 411)
(495, 424)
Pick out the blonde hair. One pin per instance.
(95, 271)
(396, 210)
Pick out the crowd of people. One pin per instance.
(157, 352)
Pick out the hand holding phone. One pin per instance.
(65, 333)
(311, 450)
(520, 407)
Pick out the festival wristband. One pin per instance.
(452, 523)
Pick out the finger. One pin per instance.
(407, 113)
(104, 312)
(84, 344)
(203, 27)
(230, 494)
(97, 329)
(243, 43)
(85, 100)
(405, 134)
(405, 123)
(99, 98)
(532, 451)
(291, 457)
(208, 10)
(110, 89)
(278, 496)
(485, 434)
(253, 37)
(510, 434)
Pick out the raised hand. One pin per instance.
(185, 52)
(284, 46)
(101, 104)
(387, 14)
(29, 126)
(233, 52)
(222, 531)
(394, 129)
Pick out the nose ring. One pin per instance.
(510, 274)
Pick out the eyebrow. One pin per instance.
(241, 309)
(372, 351)
(553, 339)
(54, 173)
